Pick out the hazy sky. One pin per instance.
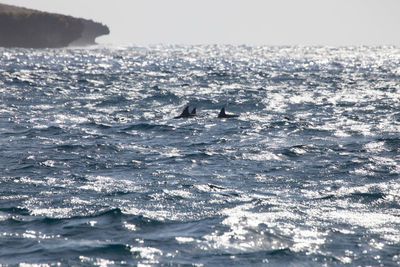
(254, 22)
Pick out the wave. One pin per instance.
(97, 125)
(162, 96)
(149, 127)
(358, 197)
(113, 101)
(97, 172)
(15, 211)
(46, 131)
(88, 147)
(22, 216)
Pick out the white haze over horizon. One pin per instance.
(250, 22)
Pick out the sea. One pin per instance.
(95, 170)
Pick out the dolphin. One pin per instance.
(223, 115)
(185, 113)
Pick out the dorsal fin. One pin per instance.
(222, 113)
(193, 112)
(185, 112)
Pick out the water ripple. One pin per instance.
(95, 170)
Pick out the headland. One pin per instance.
(28, 28)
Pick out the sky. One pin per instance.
(250, 22)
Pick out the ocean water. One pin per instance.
(94, 170)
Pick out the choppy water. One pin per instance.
(95, 170)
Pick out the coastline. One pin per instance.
(28, 28)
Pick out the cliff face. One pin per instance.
(21, 27)
(91, 30)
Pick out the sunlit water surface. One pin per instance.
(95, 170)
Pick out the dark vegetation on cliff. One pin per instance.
(21, 27)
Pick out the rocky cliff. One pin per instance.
(21, 27)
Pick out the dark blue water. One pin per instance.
(95, 170)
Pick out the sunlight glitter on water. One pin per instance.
(307, 174)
